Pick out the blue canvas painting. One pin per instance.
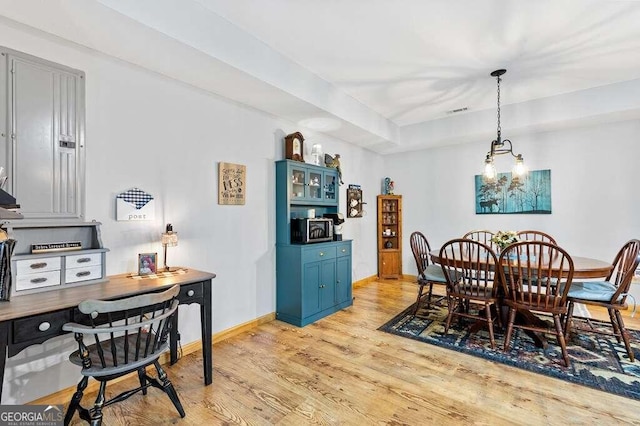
(511, 195)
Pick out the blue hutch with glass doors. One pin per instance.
(312, 280)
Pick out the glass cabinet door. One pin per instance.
(330, 181)
(298, 183)
(315, 185)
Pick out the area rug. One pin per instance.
(597, 361)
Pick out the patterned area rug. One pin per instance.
(597, 361)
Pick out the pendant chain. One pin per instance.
(499, 129)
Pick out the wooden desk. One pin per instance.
(35, 318)
(583, 267)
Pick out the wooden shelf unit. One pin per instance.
(389, 236)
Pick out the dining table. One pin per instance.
(583, 268)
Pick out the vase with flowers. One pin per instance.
(504, 238)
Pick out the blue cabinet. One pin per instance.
(312, 280)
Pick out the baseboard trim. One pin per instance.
(64, 395)
(365, 281)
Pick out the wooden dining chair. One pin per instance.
(610, 294)
(483, 236)
(530, 274)
(428, 274)
(119, 337)
(468, 267)
(532, 235)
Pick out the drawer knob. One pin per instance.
(84, 260)
(344, 250)
(38, 280)
(83, 273)
(38, 265)
(44, 326)
(190, 293)
(321, 253)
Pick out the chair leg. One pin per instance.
(167, 386)
(625, 335)
(561, 341)
(507, 336)
(567, 321)
(487, 309)
(75, 400)
(142, 376)
(614, 324)
(96, 413)
(451, 304)
(429, 295)
(420, 287)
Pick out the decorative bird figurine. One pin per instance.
(334, 163)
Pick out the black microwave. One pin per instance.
(311, 230)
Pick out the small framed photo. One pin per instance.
(147, 263)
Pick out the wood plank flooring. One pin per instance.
(340, 370)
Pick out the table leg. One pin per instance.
(4, 338)
(173, 340)
(205, 319)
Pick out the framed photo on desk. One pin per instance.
(147, 263)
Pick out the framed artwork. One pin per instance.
(147, 263)
(512, 195)
(232, 179)
(293, 149)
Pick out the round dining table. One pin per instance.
(583, 267)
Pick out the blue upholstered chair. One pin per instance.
(611, 293)
(428, 274)
(119, 337)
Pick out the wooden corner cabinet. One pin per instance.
(389, 236)
(312, 280)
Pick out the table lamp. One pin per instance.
(169, 239)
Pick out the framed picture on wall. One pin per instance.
(511, 195)
(147, 263)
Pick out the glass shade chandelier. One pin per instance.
(501, 146)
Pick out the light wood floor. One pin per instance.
(340, 370)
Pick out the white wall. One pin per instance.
(148, 131)
(594, 184)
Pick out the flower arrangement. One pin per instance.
(504, 238)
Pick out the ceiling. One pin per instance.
(384, 75)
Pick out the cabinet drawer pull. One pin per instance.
(38, 265)
(321, 253)
(344, 250)
(38, 280)
(44, 326)
(190, 293)
(84, 260)
(83, 273)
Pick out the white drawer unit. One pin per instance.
(83, 273)
(37, 280)
(55, 268)
(42, 264)
(83, 260)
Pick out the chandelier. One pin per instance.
(500, 146)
